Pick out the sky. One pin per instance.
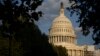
(50, 9)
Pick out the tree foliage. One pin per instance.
(4, 47)
(61, 51)
(88, 11)
(13, 16)
(17, 25)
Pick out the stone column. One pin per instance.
(62, 38)
(70, 40)
(58, 38)
(83, 52)
(79, 54)
(75, 53)
(72, 52)
(73, 40)
(53, 39)
(69, 52)
(67, 39)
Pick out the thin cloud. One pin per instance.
(78, 29)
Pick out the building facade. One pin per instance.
(97, 52)
(89, 50)
(62, 33)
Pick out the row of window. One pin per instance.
(76, 52)
(61, 22)
(61, 30)
(62, 26)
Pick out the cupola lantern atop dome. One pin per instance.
(61, 8)
(62, 5)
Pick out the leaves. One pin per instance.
(24, 36)
(89, 16)
(61, 51)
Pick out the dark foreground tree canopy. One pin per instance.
(61, 51)
(19, 35)
(89, 13)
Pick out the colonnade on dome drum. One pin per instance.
(57, 39)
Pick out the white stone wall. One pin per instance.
(97, 52)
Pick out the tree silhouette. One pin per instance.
(61, 51)
(17, 24)
(88, 11)
(4, 45)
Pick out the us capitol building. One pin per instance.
(62, 34)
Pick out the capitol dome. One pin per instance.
(62, 33)
(61, 29)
